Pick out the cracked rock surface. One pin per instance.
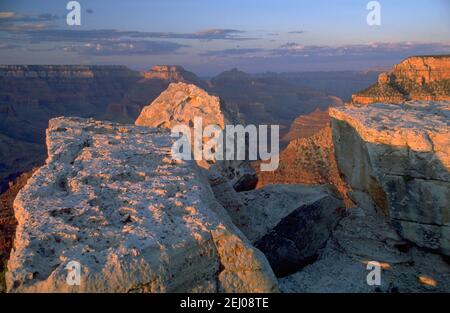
(111, 198)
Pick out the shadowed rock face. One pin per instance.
(290, 223)
(111, 197)
(400, 155)
(8, 221)
(361, 236)
(415, 78)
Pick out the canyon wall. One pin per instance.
(415, 78)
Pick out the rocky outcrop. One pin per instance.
(309, 161)
(290, 223)
(415, 78)
(400, 155)
(111, 198)
(365, 236)
(181, 104)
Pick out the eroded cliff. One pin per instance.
(415, 78)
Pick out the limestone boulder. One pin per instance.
(111, 198)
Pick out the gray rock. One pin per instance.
(111, 198)
(363, 236)
(291, 223)
(400, 155)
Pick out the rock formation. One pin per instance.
(181, 104)
(174, 74)
(400, 155)
(290, 223)
(111, 198)
(415, 78)
(309, 161)
(362, 236)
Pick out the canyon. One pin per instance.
(31, 95)
(358, 182)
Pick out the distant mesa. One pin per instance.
(415, 78)
(173, 74)
(65, 71)
(232, 74)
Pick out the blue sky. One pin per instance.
(208, 36)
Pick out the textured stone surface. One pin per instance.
(111, 198)
(363, 236)
(290, 223)
(400, 155)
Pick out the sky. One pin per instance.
(210, 36)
